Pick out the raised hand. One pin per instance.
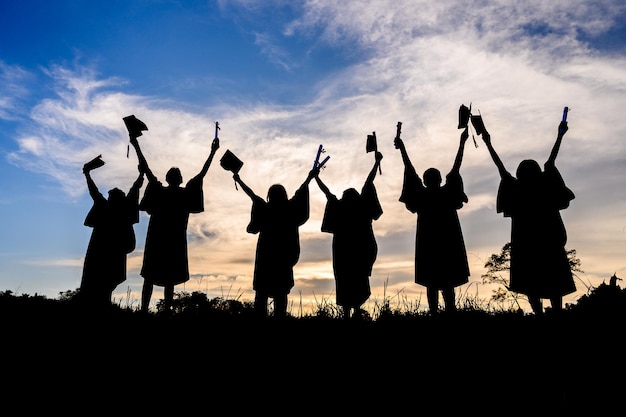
(464, 135)
(486, 138)
(215, 145)
(398, 143)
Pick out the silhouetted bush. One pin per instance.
(604, 300)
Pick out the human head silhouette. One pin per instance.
(350, 195)
(116, 195)
(432, 178)
(276, 194)
(528, 171)
(173, 177)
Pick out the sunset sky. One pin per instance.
(283, 77)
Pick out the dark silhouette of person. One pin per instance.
(354, 247)
(165, 260)
(112, 238)
(613, 281)
(440, 255)
(277, 222)
(533, 199)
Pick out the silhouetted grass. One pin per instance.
(215, 356)
(603, 302)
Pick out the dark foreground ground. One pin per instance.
(58, 357)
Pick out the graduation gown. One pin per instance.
(112, 238)
(539, 265)
(440, 255)
(165, 260)
(278, 244)
(354, 247)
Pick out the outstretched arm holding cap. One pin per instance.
(91, 185)
(372, 174)
(459, 155)
(244, 186)
(143, 164)
(496, 159)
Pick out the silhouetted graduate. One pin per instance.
(277, 223)
(533, 200)
(112, 238)
(440, 255)
(165, 260)
(354, 246)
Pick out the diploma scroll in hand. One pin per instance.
(398, 131)
(217, 127)
(317, 164)
(564, 118)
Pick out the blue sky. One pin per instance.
(281, 78)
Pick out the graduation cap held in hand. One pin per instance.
(465, 115)
(231, 163)
(134, 125)
(135, 128)
(97, 162)
(477, 122)
(371, 145)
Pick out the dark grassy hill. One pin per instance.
(217, 357)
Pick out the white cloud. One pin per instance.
(12, 90)
(518, 64)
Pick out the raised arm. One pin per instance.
(323, 187)
(459, 154)
(138, 182)
(244, 186)
(215, 145)
(496, 159)
(405, 156)
(557, 145)
(372, 174)
(91, 185)
(312, 174)
(143, 164)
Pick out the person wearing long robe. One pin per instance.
(165, 260)
(112, 239)
(354, 247)
(533, 199)
(277, 222)
(440, 255)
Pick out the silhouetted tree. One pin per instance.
(501, 262)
